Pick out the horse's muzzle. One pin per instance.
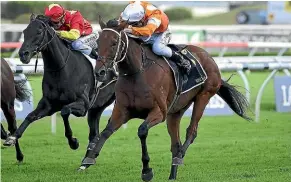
(25, 56)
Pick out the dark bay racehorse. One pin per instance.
(146, 92)
(68, 81)
(11, 89)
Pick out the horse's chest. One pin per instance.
(58, 93)
(135, 98)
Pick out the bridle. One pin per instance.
(39, 48)
(122, 47)
(41, 45)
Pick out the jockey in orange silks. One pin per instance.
(153, 30)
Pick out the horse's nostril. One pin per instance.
(102, 72)
(25, 53)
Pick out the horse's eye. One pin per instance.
(39, 32)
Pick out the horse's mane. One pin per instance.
(112, 23)
(43, 18)
(46, 20)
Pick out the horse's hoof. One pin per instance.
(74, 144)
(83, 167)
(147, 175)
(172, 179)
(177, 161)
(20, 158)
(19, 162)
(88, 161)
(10, 141)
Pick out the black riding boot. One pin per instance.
(93, 54)
(181, 62)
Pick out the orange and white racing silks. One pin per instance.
(156, 20)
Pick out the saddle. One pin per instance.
(184, 82)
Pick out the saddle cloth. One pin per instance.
(184, 82)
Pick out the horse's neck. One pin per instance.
(55, 55)
(133, 61)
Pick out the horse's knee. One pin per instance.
(66, 111)
(143, 131)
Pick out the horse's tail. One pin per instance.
(236, 100)
(22, 94)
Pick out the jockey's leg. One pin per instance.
(160, 48)
(87, 45)
(183, 63)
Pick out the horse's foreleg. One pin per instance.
(155, 117)
(12, 127)
(93, 122)
(94, 115)
(43, 109)
(173, 124)
(200, 103)
(77, 108)
(117, 119)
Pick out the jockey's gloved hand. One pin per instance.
(58, 32)
(128, 30)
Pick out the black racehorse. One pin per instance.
(11, 89)
(68, 81)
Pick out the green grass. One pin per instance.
(219, 19)
(226, 149)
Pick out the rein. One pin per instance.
(120, 49)
(39, 49)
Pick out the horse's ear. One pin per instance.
(101, 22)
(32, 17)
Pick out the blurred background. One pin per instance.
(249, 39)
(191, 22)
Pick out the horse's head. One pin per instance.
(35, 37)
(112, 47)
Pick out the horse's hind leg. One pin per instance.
(173, 124)
(3, 133)
(9, 113)
(78, 109)
(199, 106)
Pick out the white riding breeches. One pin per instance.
(85, 44)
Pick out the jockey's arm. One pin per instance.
(74, 32)
(153, 23)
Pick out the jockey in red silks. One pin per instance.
(71, 25)
(153, 30)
